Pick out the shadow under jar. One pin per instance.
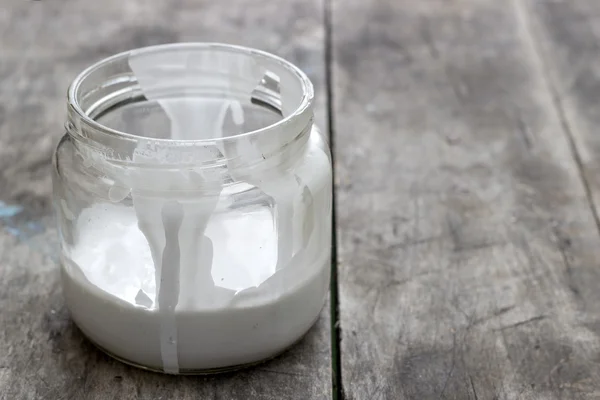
(193, 196)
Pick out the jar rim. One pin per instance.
(304, 107)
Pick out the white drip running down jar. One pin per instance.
(193, 195)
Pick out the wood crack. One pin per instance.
(473, 388)
(295, 374)
(525, 133)
(495, 314)
(563, 245)
(525, 322)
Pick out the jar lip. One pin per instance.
(304, 106)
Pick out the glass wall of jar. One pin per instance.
(193, 196)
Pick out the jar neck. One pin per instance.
(228, 162)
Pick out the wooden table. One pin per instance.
(467, 194)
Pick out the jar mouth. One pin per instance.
(156, 72)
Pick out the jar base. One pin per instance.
(208, 371)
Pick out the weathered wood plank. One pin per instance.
(43, 45)
(567, 37)
(468, 251)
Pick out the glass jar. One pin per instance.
(193, 194)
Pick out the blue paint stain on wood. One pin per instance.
(13, 231)
(19, 229)
(8, 210)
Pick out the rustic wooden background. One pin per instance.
(467, 190)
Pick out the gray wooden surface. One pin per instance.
(43, 45)
(467, 195)
(469, 254)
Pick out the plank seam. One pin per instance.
(336, 364)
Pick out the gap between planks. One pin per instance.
(336, 364)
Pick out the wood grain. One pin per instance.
(43, 45)
(468, 248)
